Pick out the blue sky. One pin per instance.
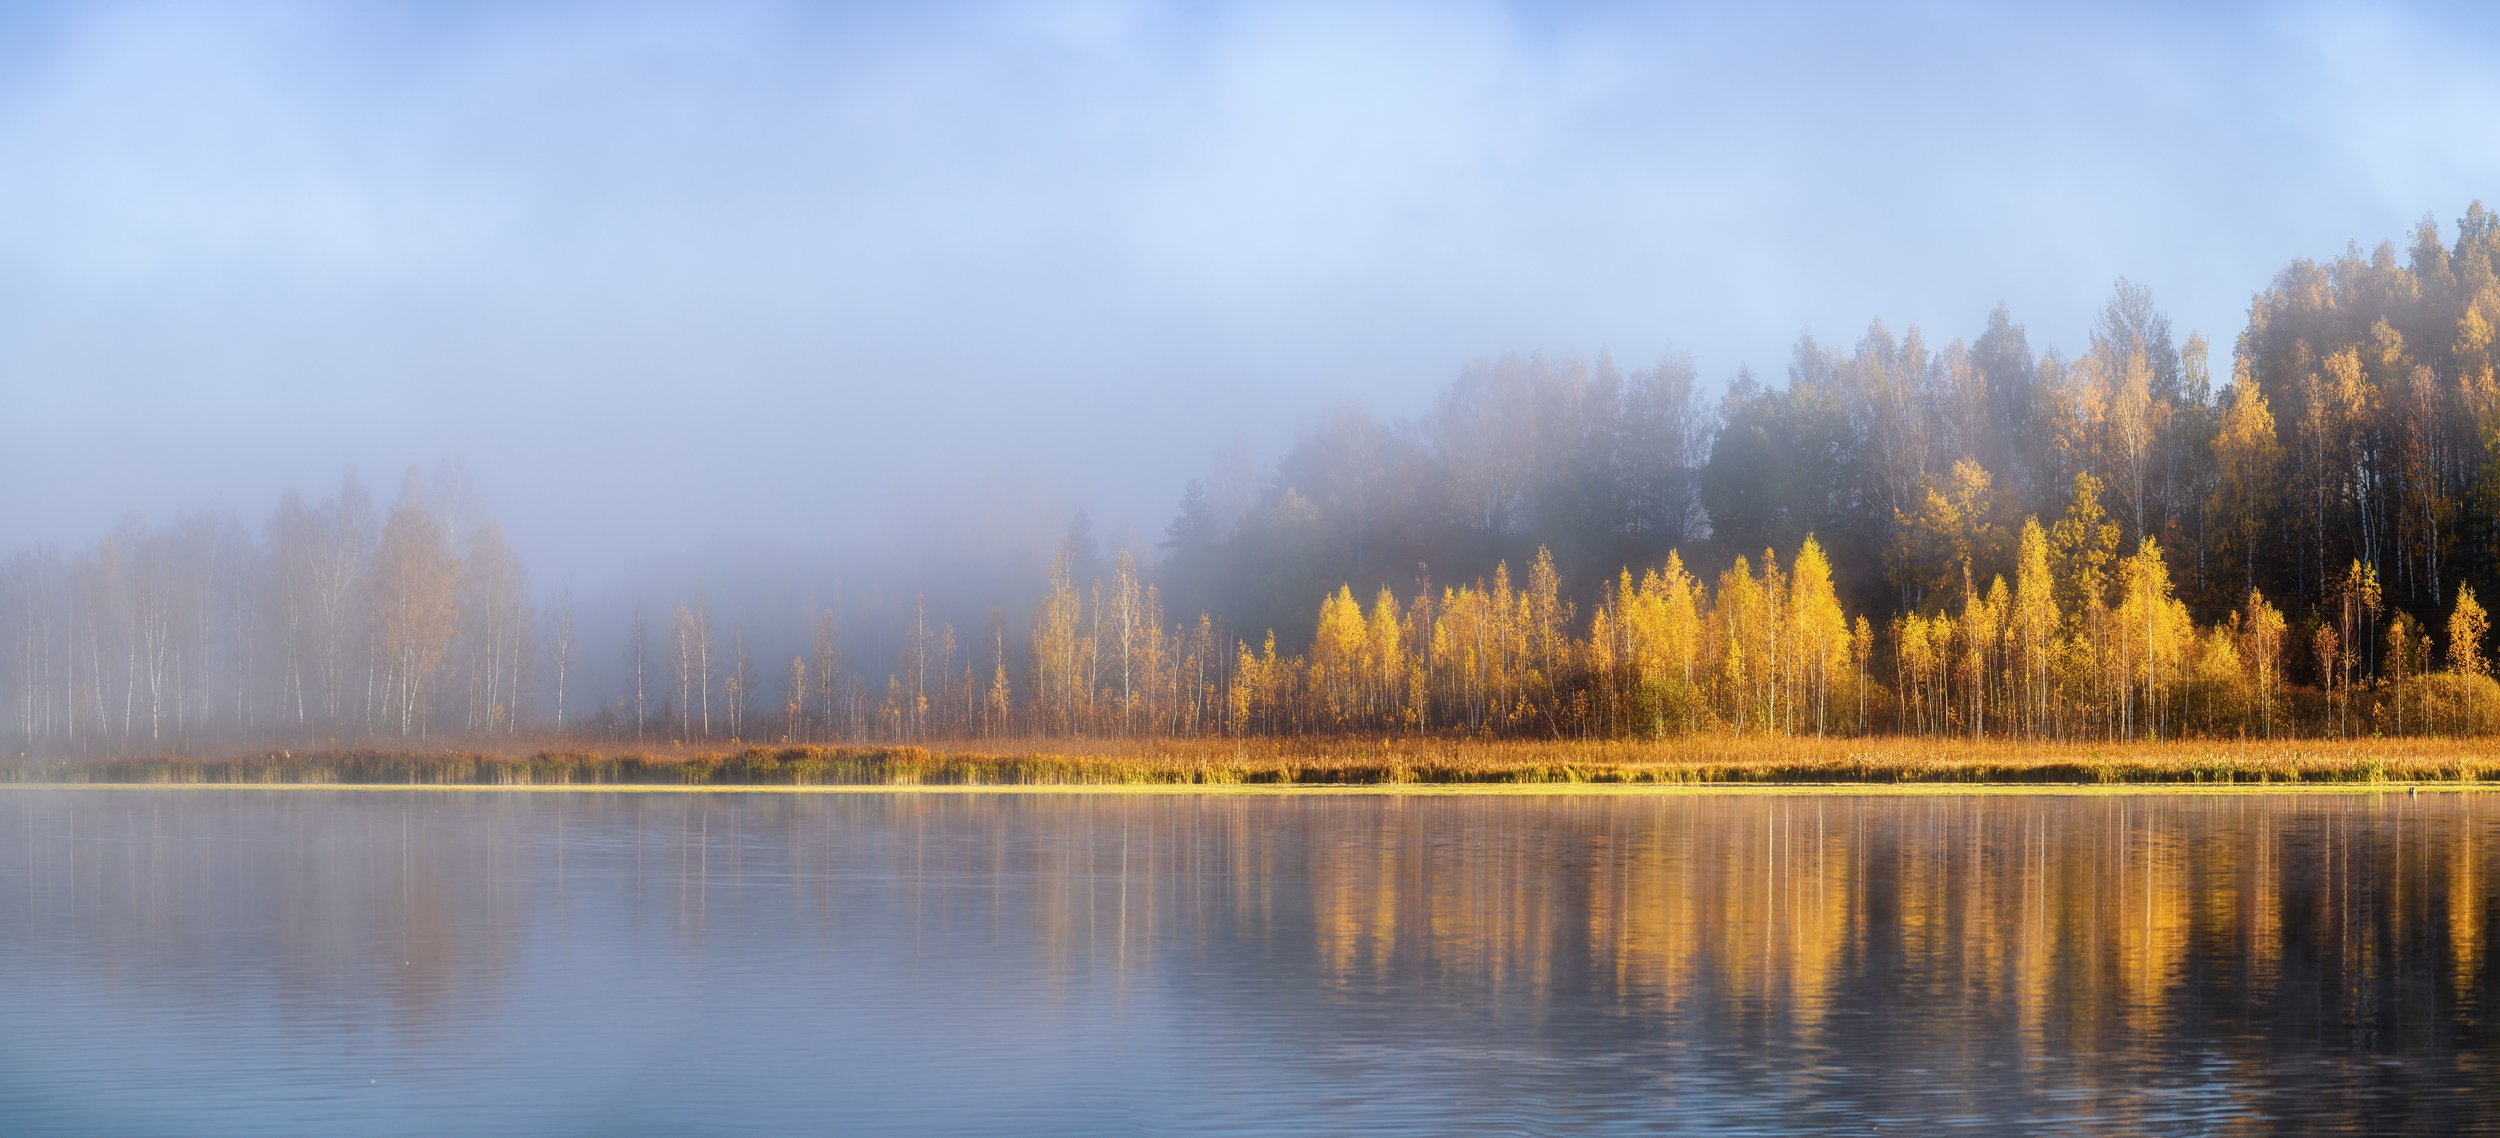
(667, 274)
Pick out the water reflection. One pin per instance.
(382, 962)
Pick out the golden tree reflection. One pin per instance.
(2107, 927)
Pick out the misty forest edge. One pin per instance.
(1964, 546)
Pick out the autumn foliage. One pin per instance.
(1972, 541)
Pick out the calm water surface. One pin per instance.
(423, 963)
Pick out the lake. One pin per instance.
(214, 962)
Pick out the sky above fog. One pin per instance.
(674, 275)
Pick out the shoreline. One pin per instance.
(1345, 765)
(1339, 790)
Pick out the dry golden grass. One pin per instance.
(1392, 761)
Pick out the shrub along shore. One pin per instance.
(1706, 760)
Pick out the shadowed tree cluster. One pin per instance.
(1599, 465)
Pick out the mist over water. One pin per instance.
(380, 962)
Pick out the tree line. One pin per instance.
(332, 620)
(1973, 539)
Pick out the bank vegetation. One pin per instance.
(1707, 760)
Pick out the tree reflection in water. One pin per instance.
(1080, 963)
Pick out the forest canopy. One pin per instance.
(1902, 536)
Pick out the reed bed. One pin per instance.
(1701, 760)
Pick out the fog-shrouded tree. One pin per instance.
(794, 703)
(560, 653)
(416, 609)
(495, 620)
(637, 669)
(827, 674)
(319, 555)
(998, 702)
(738, 686)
